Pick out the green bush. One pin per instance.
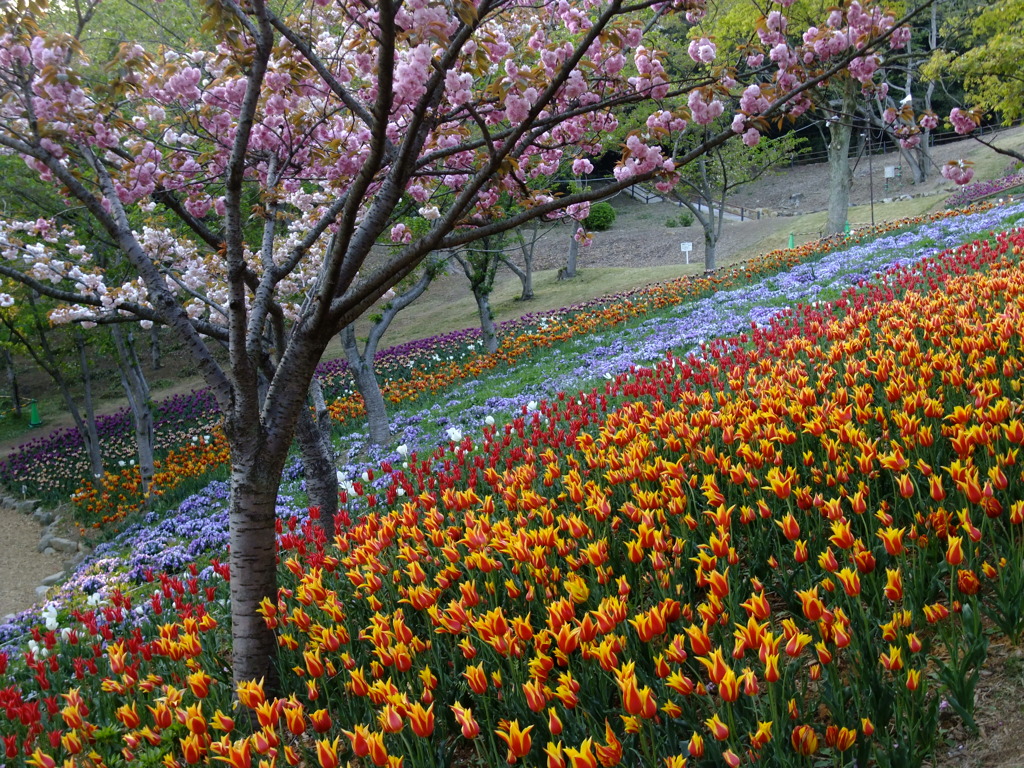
(601, 217)
(685, 219)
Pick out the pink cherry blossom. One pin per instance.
(704, 109)
(702, 51)
(581, 167)
(958, 171)
(963, 122)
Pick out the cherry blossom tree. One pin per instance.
(248, 182)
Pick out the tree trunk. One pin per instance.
(87, 426)
(154, 348)
(488, 332)
(367, 386)
(321, 474)
(839, 175)
(45, 357)
(710, 246)
(12, 382)
(570, 264)
(525, 275)
(323, 416)
(136, 389)
(253, 567)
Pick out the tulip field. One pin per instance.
(773, 517)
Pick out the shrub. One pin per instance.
(601, 217)
(684, 219)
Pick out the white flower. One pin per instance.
(531, 406)
(341, 477)
(39, 651)
(121, 463)
(489, 420)
(401, 491)
(94, 599)
(49, 615)
(366, 477)
(403, 450)
(454, 434)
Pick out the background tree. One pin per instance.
(479, 263)
(360, 361)
(63, 357)
(266, 168)
(706, 184)
(526, 239)
(987, 64)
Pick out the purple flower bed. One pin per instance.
(981, 189)
(162, 542)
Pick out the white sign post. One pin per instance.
(686, 248)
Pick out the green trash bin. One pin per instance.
(33, 415)
(792, 239)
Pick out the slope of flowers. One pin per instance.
(413, 370)
(54, 467)
(979, 190)
(791, 550)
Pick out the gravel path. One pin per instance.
(22, 566)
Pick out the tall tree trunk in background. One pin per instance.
(488, 331)
(93, 438)
(322, 415)
(924, 149)
(525, 274)
(44, 356)
(154, 348)
(321, 474)
(361, 363)
(136, 389)
(361, 366)
(839, 175)
(480, 266)
(12, 382)
(570, 263)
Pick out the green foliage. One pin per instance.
(684, 219)
(990, 65)
(601, 217)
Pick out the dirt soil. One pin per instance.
(22, 566)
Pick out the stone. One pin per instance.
(44, 542)
(26, 506)
(43, 516)
(49, 551)
(41, 591)
(52, 579)
(64, 545)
